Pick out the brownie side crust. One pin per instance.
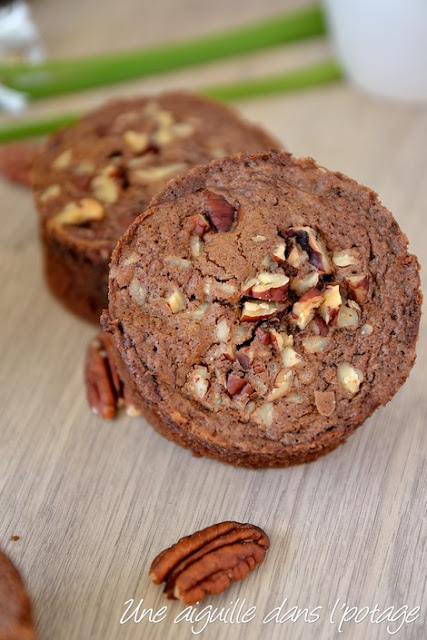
(94, 178)
(268, 341)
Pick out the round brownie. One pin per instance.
(94, 178)
(16, 621)
(262, 308)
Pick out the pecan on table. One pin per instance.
(208, 561)
(103, 385)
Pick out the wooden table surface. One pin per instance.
(93, 502)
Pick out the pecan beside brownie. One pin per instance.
(208, 561)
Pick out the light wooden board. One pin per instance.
(93, 502)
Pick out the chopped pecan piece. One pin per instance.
(303, 311)
(366, 330)
(279, 253)
(196, 246)
(259, 368)
(155, 174)
(263, 337)
(348, 317)
(208, 561)
(318, 326)
(315, 344)
(50, 193)
(344, 258)
(277, 340)
(282, 385)
(259, 239)
(301, 284)
(255, 311)
(79, 213)
(219, 211)
(177, 301)
(63, 161)
(227, 351)
(264, 414)
(350, 377)
(106, 185)
(325, 402)
(267, 286)
(297, 256)
(244, 360)
(291, 358)
(198, 225)
(222, 330)
(237, 386)
(309, 241)
(331, 304)
(137, 141)
(199, 378)
(358, 287)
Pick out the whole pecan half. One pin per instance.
(219, 211)
(208, 561)
(103, 385)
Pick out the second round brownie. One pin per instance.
(94, 178)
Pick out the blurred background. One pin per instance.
(340, 125)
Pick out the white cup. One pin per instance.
(382, 45)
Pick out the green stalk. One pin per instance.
(24, 129)
(64, 76)
(303, 78)
(295, 80)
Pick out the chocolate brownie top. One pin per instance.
(15, 612)
(274, 300)
(94, 178)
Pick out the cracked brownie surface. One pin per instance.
(262, 308)
(94, 178)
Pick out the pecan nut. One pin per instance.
(219, 211)
(237, 386)
(310, 241)
(325, 402)
(199, 225)
(103, 386)
(208, 561)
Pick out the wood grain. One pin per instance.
(93, 502)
